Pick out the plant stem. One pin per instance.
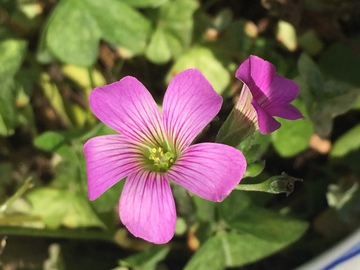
(27, 185)
(91, 78)
(252, 187)
(276, 184)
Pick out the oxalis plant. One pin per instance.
(152, 154)
(154, 151)
(154, 148)
(174, 134)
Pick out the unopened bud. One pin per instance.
(276, 184)
(282, 183)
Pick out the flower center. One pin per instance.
(160, 161)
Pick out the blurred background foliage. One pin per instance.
(53, 53)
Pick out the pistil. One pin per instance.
(160, 161)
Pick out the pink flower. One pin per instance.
(271, 93)
(153, 148)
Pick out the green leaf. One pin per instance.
(323, 99)
(52, 93)
(72, 34)
(254, 169)
(43, 54)
(176, 17)
(223, 19)
(310, 42)
(205, 210)
(98, 130)
(108, 200)
(203, 59)
(269, 226)
(174, 23)
(146, 260)
(7, 108)
(6, 171)
(11, 54)
(79, 213)
(184, 204)
(62, 207)
(233, 205)
(4, 130)
(348, 142)
(236, 249)
(66, 163)
(181, 227)
(311, 75)
(234, 39)
(81, 76)
(293, 136)
(211, 255)
(75, 27)
(241, 249)
(87, 79)
(120, 24)
(254, 146)
(342, 62)
(49, 141)
(259, 233)
(145, 3)
(158, 50)
(67, 167)
(286, 35)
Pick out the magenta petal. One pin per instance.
(257, 74)
(109, 159)
(266, 122)
(210, 170)
(190, 103)
(147, 207)
(288, 111)
(282, 90)
(128, 107)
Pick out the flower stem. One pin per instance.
(91, 78)
(27, 185)
(276, 184)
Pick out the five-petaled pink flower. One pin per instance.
(271, 93)
(153, 148)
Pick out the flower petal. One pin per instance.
(109, 159)
(282, 90)
(257, 74)
(190, 103)
(266, 122)
(128, 107)
(147, 207)
(210, 170)
(288, 111)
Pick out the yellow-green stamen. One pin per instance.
(160, 161)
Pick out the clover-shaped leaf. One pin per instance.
(174, 23)
(324, 99)
(75, 28)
